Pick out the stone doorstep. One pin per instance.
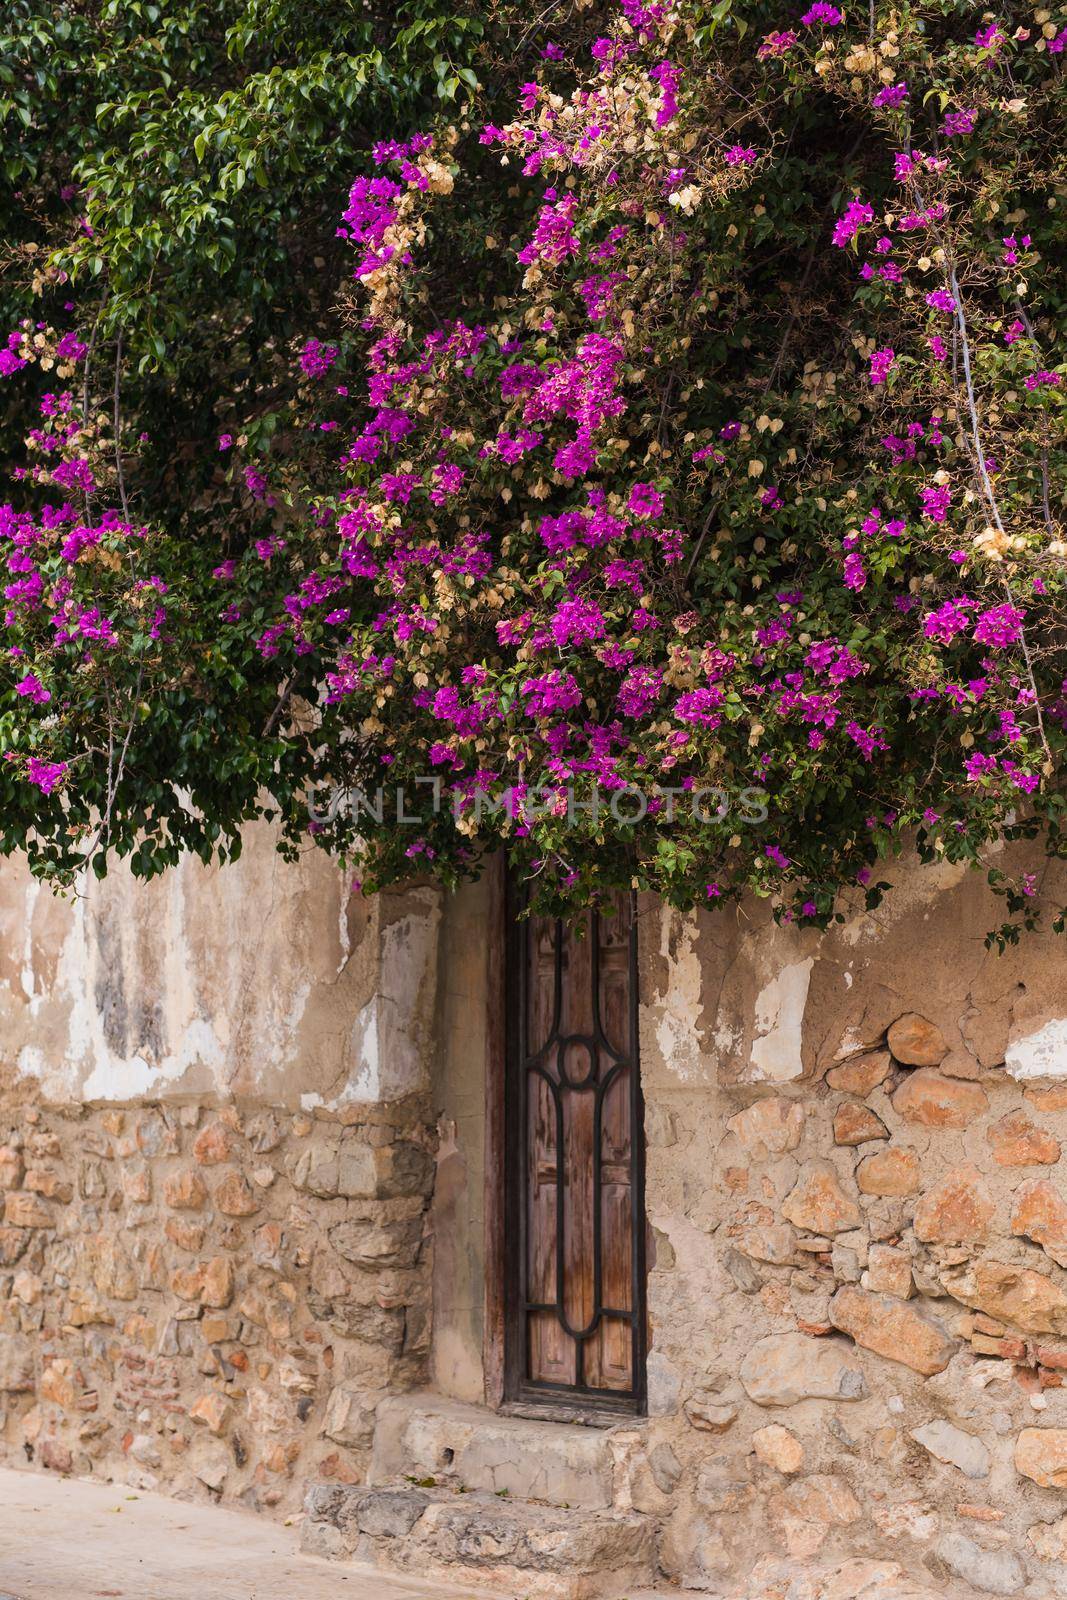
(467, 1447)
(544, 1552)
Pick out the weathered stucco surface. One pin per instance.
(216, 1160)
(243, 1188)
(261, 978)
(859, 1207)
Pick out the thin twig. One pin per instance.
(987, 484)
(118, 429)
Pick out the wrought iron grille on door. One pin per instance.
(575, 1325)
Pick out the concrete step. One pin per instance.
(486, 1540)
(460, 1446)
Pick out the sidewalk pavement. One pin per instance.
(67, 1539)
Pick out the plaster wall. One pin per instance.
(459, 1090)
(858, 1201)
(216, 1160)
(243, 1200)
(262, 978)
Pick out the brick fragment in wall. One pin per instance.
(161, 1316)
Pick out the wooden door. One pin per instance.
(574, 1246)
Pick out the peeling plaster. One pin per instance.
(913, 893)
(90, 1067)
(1039, 1055)
(366, 1085)
(245, 979)
(681, 1005)
(779, 1024)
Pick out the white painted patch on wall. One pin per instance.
(680, 1007)
(852, 1044)
(391, 1035)
(1039, 1055)
(366, 1085)
(164, 972)
(27, 975)
(779, 1024)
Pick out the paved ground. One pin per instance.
(65, 1539)
(62, 1539)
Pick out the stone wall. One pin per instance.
(857, 1192)
(216, 1159)
(243, 1178)
(210, 1299)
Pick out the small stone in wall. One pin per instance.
(317, 1171)
(1053, 1098)
(263, 1133)
(819, 1204)
(893, 1172)
(892, 1328)
(785, 1368)
(915, 1042)
(961, 1064)
(743, 1274)
(1041, 1454)
(24, 1210)
(154, 1136)
(234, 1196)
(856, 1124)
(27, 1287)
(769, 1127)
(113, 1273)
(145, 1451)
(778, 1448)
(349, 1419)
(10, 1167)
(808, 1508)
(708, 1413)
(956, 1448)
(212, 1468)
(56, 1457)
(862, 1075)
(211, 1283)
(910, 1519)
(991, 1571)
(186, 1235)
(1016, 1295)
(1039, 1212)
(1018, 1142)
(775, 1243)
(212, 1410)
(844, 1263)
(137, 1185)
(45, 1181)
(213, 1144)
(1049, 1539)
(937, 1102)
(723, 1486)
(16, 1364)
(888, 1272)
(268, 1246)
(185, 1191)
(665, 1468)
(955, 1211)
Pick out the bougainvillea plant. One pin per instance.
(673, 496)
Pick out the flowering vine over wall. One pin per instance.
(675, 495)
